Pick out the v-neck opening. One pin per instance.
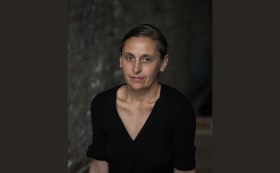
(147, 120)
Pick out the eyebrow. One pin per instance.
(143, 55)
(127, 53)
(147, 55)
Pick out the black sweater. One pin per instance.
(165, 142)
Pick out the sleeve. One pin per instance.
(97, 149)
(183, 148)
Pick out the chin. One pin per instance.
(137, 85)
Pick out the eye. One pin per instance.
(146, 59)
(129, 58)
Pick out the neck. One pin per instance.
(149, 95)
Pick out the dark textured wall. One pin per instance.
(95, 30)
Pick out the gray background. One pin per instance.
(95, 30)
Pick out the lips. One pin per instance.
(137, 79)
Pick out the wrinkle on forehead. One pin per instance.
(141, 45)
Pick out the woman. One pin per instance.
(142, 126)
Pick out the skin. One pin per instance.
(141, 64)
(98, 166)
(179, 171)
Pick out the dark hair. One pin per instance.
(147, 30)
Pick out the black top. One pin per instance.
(165, 142)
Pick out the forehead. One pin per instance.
(142, 44)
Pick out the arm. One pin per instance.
(97, 148)
(183, 139)
(98, 166)
(179, 171)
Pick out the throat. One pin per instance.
(149, 95)
(134, 116)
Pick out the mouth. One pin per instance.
(137, 79)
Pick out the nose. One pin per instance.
(137, 68)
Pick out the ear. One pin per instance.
(120, 62)
(164, 63)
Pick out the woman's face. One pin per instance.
(141, 63)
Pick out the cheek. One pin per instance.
(125, 68)
(126, 71)
(153, 72)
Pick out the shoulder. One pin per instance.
(173, 95)
(105, 96)
(179, 107)
(174, 99)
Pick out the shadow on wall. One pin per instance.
(201, 85)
